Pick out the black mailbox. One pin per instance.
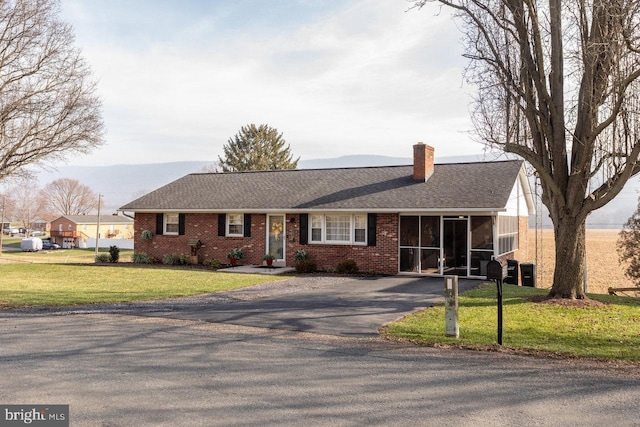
(495, 270)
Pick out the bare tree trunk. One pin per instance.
(569, 266)
(571, 72)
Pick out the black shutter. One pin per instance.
(304, 229)
(247, 225)
(372, 220)
(222, 225)
(181, 221)
(159, 224)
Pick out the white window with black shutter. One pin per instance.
(170, 224)
(341, 228)
(234, 225)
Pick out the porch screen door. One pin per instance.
(455, 246)
(276, 236)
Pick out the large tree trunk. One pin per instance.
(570, 250)
(548, 71)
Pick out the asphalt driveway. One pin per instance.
(344, 306)
(327, 305)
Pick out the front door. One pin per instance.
(276, 236)
(455, 246)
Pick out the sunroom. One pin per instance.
(455, 244)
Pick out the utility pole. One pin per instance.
(4, 198)
(98, 224)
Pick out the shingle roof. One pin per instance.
(455, 186)
(93, 219)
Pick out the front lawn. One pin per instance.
(609, 331)
(60, 285)
(67, 256)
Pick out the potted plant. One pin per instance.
(269, 259)
(234, 255)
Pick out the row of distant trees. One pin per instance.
(24, 202)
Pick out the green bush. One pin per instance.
(103, 258)
(140, 258)
(173, 259)
(306, 266)
(348, 266)
(114, 254)
(215, 263)
(301, 255)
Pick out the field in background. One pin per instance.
(603, 268)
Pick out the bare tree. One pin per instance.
(7, 204)
(28, 202)
(210, 168)
(69, 197)
(48, 108)
(558, 85)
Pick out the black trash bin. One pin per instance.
(528, 271)
(512, 272)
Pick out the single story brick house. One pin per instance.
(423, 218)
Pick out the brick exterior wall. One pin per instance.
(204, 227)
(382, 258)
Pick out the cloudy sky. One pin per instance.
(337, 77)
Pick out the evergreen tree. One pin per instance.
(257, 148)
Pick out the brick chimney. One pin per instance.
(422, 161)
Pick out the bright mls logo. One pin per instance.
(34, 415)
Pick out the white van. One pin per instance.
(33, 244)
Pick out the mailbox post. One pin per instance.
(451, 306)
(496, 271)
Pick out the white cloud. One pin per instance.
(369, 78)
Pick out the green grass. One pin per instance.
(75, 255)
(61, 285)
(608, 332)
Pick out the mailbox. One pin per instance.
(496, 271)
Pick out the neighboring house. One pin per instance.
(425, 218)
(40, 224)
(74, 230)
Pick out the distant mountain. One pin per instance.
(371, 160)
(353, 162)
(120, 184)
